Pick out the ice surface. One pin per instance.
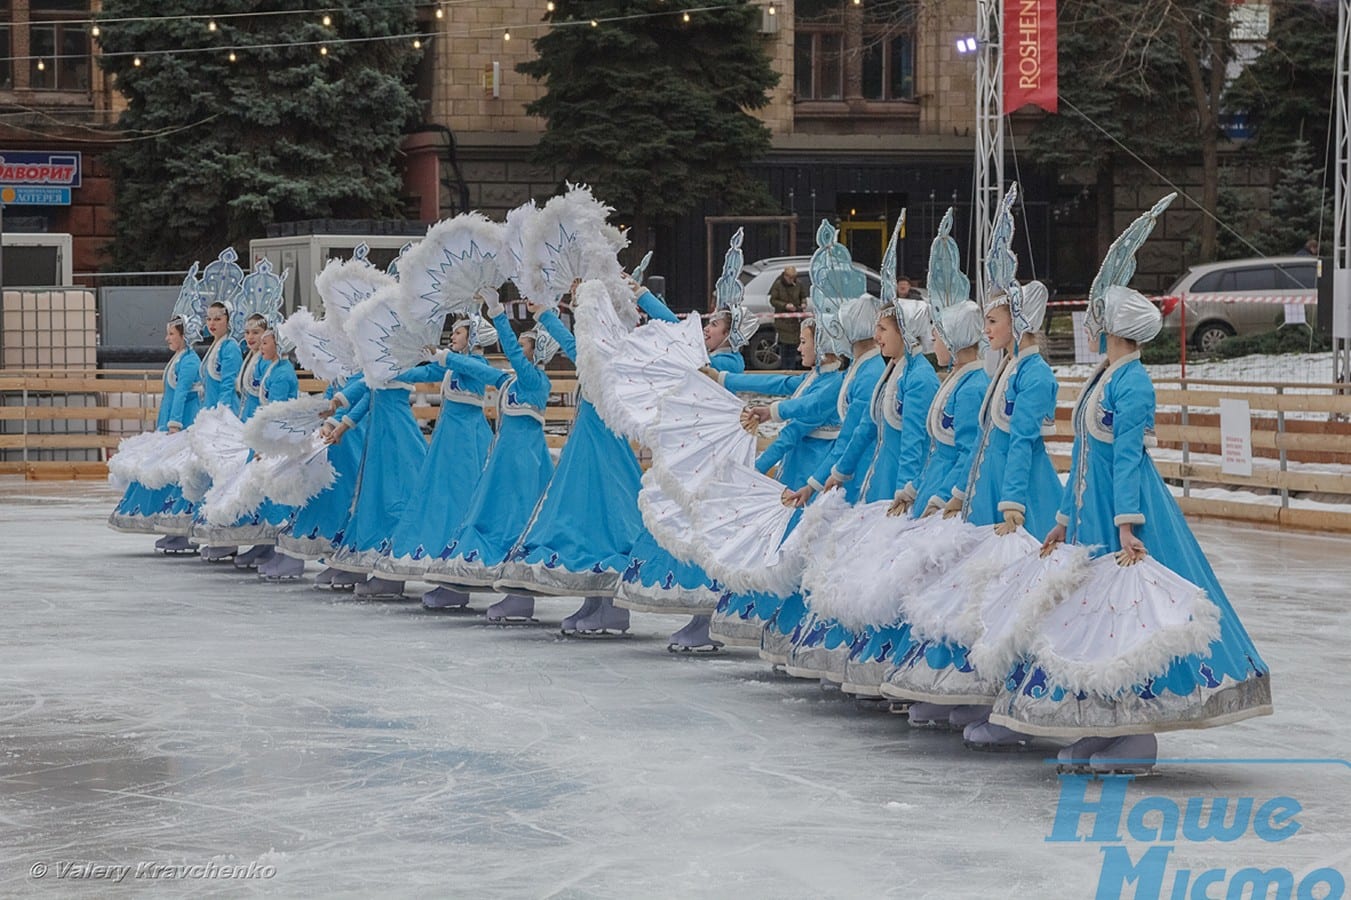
(169, 710)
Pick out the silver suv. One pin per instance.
(1240, 296)
(756, 279)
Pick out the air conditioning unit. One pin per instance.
(769, 20)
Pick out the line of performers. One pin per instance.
(903, 535)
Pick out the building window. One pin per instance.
(818, 64)
(6, 65)
(847, 51)
(59, 51)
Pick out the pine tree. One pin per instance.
(653, 112)
(1298, 202)
(217, 150)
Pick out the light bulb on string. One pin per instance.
(594, 23)
(328, 20)
(506, 34)
(42, 66)
(417, 44)
(440, 13)
(136, 61)
(685, 17)
(211, 26)
(323, 51)
(772, 10)
(549, 7)
(232, 56)
(94, 31)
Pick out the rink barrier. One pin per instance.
(86, 413)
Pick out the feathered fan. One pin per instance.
(345, 283)
(320, 346)
(286, 428)
(569, 239)
(457, 260)
(388, 342)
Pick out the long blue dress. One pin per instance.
(317, 528)
(802, 445)
(1012, 469)
(794, 618)
(450, 472)
(1113, 481)
(393, 454)
(583, 528)
(896, 429)
(139, 508)
(517, 473)
(653, 579)
(952, 425)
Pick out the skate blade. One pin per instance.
(900, 708)
(462, 610)
(1123, 771)
(931, 724)
(278, 579)
(704, 649)
(600, 634)
(511, 620)
(392, 597)
(1016, 747)
(872, 704)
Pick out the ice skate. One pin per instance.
(694, 638)
(607, 621)
(513, 609)
(962, 716)
(987, 736)
(900, 708)
(444, 598)
(1134, 754)
(282, 568)
(588, 607)
(930, 715)
(218, 554)
(376, 588)
(1077, 757)
(175, 545)
(251, 557)
(324, 580)
(344, 581)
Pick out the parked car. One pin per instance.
(1240, 296)
(756, 279)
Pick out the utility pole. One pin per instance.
(989, 174)
(1341, 236)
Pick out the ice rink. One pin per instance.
(166, 710)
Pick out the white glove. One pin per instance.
(494, 307)
(440, 355)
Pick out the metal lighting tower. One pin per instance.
(1341, 237)
(990, 129)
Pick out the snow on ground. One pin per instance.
(171, 711)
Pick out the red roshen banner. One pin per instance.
(1030, 71)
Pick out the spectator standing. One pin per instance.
(787, 295)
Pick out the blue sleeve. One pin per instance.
(231, 361)
(550, 322)
(914, 449)
(188, 374)
(732, 363)
(282, 383)
(476, 367)
(1132, 418)
(789, 436)
(970, 395)
(527, 373)
(1033, 403)
(773, 385)
(653, 308)
(356, 395)
(857, 416)
(814, 408)
(424, 374)
(862, 435)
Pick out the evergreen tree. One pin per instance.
(1298, 202)
(653, 112)
(1106, 106)
(1286, 92)
(219, 149)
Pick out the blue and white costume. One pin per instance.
(140, 506)
(450, 472)
(517, 472)
(1113, 482)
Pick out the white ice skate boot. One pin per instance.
(962, 716)
(987, 736)
(175, 545)
(376, 588)
(282, 568)
(607, 621)
(445, 598)
(930, 715)
(251, 557)
(217, 554)
(588, 608)
(513, 609)
(694, 638)
(1076, 758)
(344, 581)
(1134, 754)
